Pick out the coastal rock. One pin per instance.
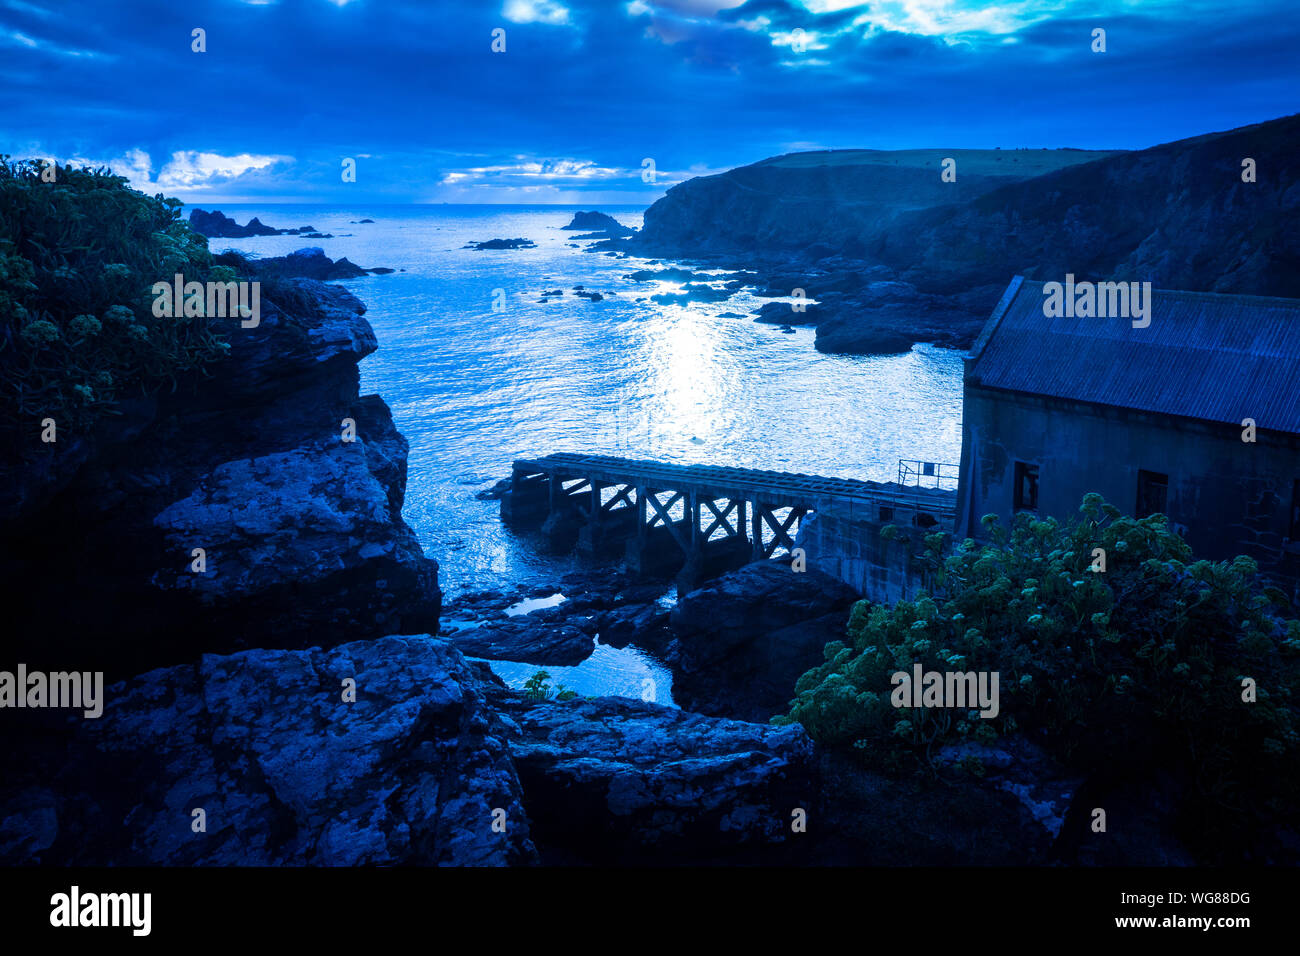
(301, 533)
(502, 244)
(783, 313)
(1022, 769)
(599, 224)
(286, 771)
(309, 263)
(693, 292)
(498, 491)
(878, 325)
(613, 780)
(663, 275)
(532, 638)
(745, 638)
(873, 819)
(217, 225)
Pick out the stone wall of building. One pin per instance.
(881, 568)
(1225, 496)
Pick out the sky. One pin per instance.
(602, 101)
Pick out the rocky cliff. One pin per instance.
(300, 530)
(893, 254)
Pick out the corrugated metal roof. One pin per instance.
(1219, 358)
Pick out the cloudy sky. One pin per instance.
(587, 90)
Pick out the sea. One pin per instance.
(479, 371)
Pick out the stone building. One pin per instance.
(1193, 412)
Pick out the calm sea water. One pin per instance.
(473, 388)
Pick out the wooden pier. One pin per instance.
(666, 515)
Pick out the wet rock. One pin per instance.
(784, 313)
(525, 639)
(693, 292)
(217, 225)
(496, 492)
(664, 275)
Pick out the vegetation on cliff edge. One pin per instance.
(79, 253)
(1113, 672)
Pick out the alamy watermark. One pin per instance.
(1087, 300)
(214, 299)
(74, 689)
(963, 689)
(75, 908)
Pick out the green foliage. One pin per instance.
(78, 258)
(1141, 664)
(538, 687)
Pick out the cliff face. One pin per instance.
(837, 200)
(894, 255)
(302, 535)
(1177, 215)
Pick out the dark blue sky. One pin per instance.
(588, 89)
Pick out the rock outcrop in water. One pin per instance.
(217, 225)
(598, 225)
(308, 263)
(501, 244)
(301, 532)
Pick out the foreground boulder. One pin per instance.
(285, 771)
(614, 780)
(744, 639)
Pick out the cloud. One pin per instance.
(590, 87)
(16, 38)
(186, 171)
(189, 169)
(528, 172)
(535, 11)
